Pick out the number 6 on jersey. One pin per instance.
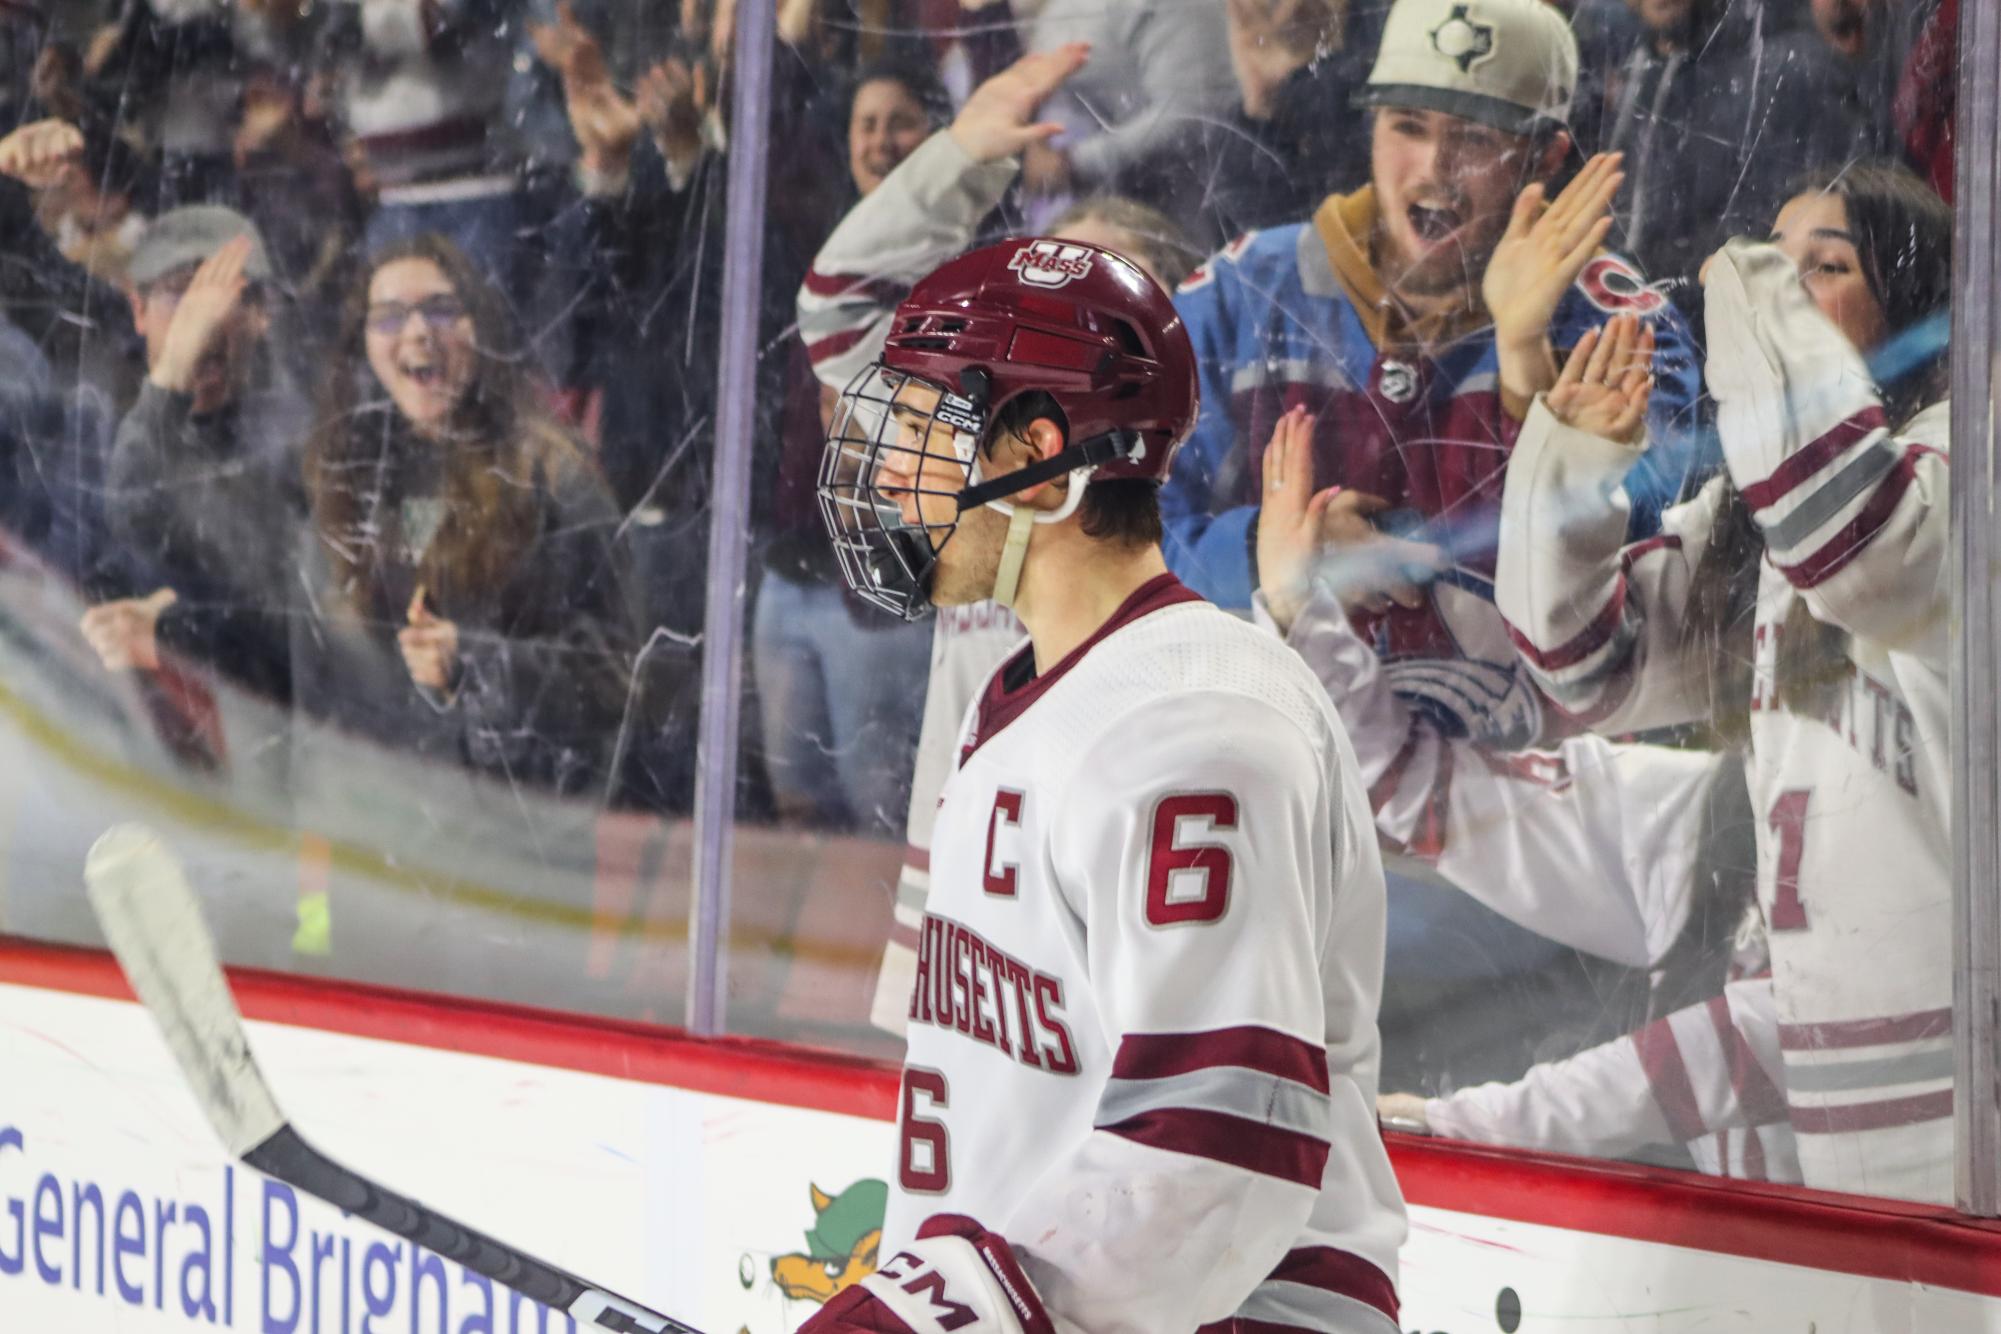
(1189, 881)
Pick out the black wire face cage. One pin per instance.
(895, 438)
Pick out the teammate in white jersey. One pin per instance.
(1818, 562)
(1139, 1089)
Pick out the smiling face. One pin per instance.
(885, 127)
(1444, 186)
(1812, 229)
(420, 342)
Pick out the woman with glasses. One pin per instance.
(467, 601)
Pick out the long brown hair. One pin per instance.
(497, 467)
(1903, 238)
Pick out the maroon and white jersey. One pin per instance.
(971, 641)
(1142, 1040)
(1596, 844)
(924, 212)
(1852, 798)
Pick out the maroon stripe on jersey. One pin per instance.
(1427, 836)
(834, 344)
(1248, 1047)
(904, 935)
(1392, 779)
(1798, 467)
(1338, 1271)
(1667, 1075)
(1880, 1115)
(1222, 1138)
(1594, 636)
(1833, 556)
(1913, 1027)
(855, 284)
(1000, 706)
(1639, 551)
(1756, 1093)
(916, 858)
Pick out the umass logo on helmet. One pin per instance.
(1050, 263)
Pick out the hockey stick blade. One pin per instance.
(154, 925)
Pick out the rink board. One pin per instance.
(685, 1174)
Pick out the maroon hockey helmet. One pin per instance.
(1083, 325)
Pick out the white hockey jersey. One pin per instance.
(1854, 853)
(1142, 1041)
(970, 643)
(1595, 844)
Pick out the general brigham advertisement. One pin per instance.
(118, 1211)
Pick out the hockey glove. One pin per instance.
(956, 1278)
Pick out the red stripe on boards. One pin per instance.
(1248, 1047)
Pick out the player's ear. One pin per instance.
(1044, 438)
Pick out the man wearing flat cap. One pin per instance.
(205, 489)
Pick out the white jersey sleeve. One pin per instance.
(1599, 622)
(924, 212)
(1703, 1069)
(1853, 516)
(1591, 844)
(1203, 842)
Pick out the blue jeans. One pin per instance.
(841, 702)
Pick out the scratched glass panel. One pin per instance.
(370, 567)
(1648, 740)
(355, 428)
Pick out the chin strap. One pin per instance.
(1007, 581)
(1021, 519)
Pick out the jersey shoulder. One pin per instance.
(1177, 666)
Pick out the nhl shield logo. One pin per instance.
(1462, 40)
(1050, 263)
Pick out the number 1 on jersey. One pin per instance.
(1788, 822)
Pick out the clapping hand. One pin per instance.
(1545, 247)
(1327, 538)
(604, 122)
(1607, 381)
(998, 120)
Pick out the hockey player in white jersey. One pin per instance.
(1819, 561)
(929, 209)
(1139, 1089)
